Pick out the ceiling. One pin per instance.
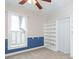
(47, 7)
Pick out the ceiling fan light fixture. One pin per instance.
(34, 1)
(30, 1)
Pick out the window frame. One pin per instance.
(9, 29)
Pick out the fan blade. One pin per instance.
(47, 0)
(22, 2)
(38, 5)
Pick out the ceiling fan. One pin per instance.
(36, 2)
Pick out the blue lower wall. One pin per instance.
(32, 43)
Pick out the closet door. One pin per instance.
(64, 35)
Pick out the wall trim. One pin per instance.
(27, 50)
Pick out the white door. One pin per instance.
(64, 35)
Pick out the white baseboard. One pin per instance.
(71, 55)
(52, 49)
(10, 54)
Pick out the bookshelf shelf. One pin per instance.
(50, 35)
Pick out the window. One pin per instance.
(15, 23)
(23, 26)
(17, 33)
(18, 23)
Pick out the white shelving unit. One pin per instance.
(50, 41)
